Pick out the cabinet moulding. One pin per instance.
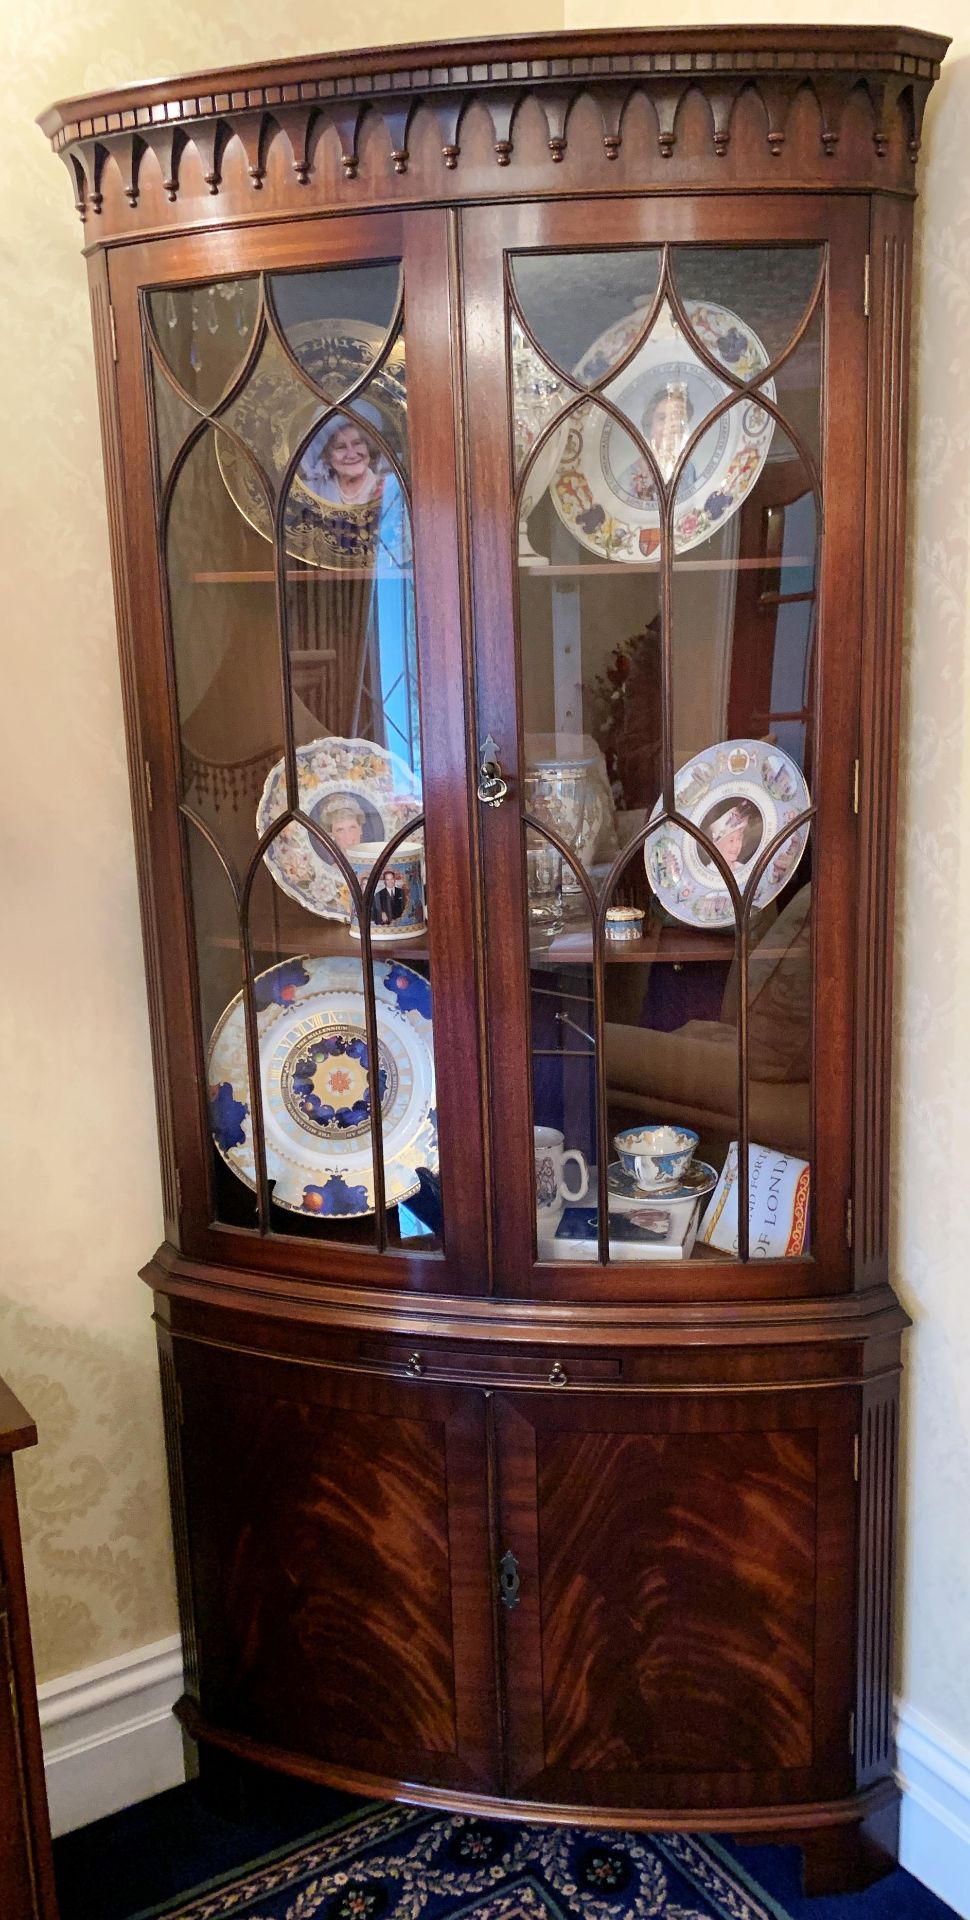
(323, 111)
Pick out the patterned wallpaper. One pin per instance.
(77, 1141)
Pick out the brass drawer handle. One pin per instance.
(558, 1377)
(414, 1365)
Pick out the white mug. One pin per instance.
(552, 1158)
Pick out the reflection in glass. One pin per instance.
(271, 413)
(353, 726)
(564, 1083)
(744, 624)
(225, 647)
(585, 307)
(333, 350)
(771, 286)
(204, 333)
(740, 656)
(174, 420)
(672, 1061)
(220, 976)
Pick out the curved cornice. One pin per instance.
(300, 101)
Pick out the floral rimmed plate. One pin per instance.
(316, 1094)
(356, 792)
(741, 793)
(275, 410)
(698, 1180)
(603, 489)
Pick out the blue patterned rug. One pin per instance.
(404, 1863)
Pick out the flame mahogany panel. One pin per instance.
(680, 1560)
(338, 1551)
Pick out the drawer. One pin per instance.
(435, 1362)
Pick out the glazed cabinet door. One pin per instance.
(299, 732)
(678, 1632)
(666, 408)
(339, 1566)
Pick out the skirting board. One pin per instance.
(934, 1835)
(110, 1739)
(109, 1734)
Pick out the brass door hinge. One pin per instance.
(848, 1221)
(149, 795)
(866, 284)
(114, 333)
(178, 1189)
(852, 1734)
(855, 786)
(855, 1456)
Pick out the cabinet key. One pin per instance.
(492, 788)
(414, 1365)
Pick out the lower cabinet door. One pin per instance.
(339, 1556)
(681, 1634)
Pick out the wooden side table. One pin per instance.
(26, 1861)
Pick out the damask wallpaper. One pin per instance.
(77, 1142)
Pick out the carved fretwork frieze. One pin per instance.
(815, 82)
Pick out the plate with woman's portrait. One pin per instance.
(741, 794)
(345, 506)
(605, 490)
(356, 793)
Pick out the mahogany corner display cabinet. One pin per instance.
(505, 451)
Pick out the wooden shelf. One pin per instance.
(670, 944)
(553, 570)
(265, 576)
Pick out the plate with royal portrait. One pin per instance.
(357, 793)
(741, 794)
(605, 491)
(316, 1085)
(345, 507)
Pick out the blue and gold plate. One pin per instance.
(316, 1085)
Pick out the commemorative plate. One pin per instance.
(355, 791)
(273, 413)
(603, 489)
(741, 793)
(313, 1066)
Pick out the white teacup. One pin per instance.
(552, 1158)
(656, 1157)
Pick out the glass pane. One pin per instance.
(563, 1055)
(584, 310)
(350, 646)
(174, 419)
(313, 309)
(672, 1070)
(271, 414)
(771, 287)
(740, 702)
(204, 334)
(220, 975)
(317, 1085)
(744, 604)
(226, 651)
